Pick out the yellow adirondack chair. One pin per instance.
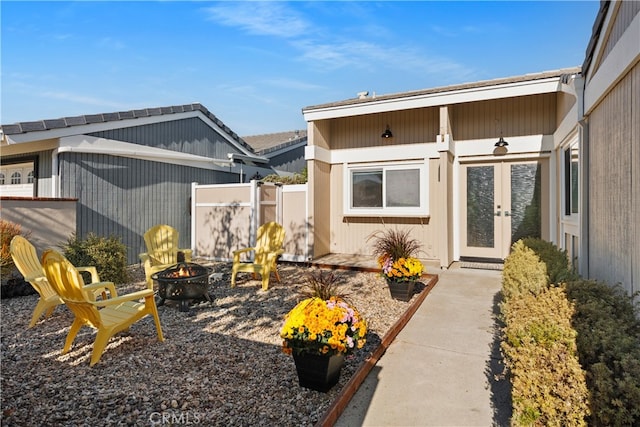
(162, 250)
(108, 316)
(267, 250)
(26, 260)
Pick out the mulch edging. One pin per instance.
(349, 390)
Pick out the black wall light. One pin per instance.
(387, 133)
(501, 142)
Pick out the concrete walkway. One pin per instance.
(441, 369)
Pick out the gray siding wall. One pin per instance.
(125, 197)
(191, 136)
(289, 161)
(614, 186)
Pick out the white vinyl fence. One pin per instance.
(226, 217)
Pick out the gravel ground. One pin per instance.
(220, 364)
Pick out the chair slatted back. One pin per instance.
(26, 260)
(162, 244)
(67, 281)
(269, 239)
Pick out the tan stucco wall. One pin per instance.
(49, 222)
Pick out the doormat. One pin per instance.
(482, 265)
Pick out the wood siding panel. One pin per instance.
(626, 12)
(525, 115)
(635, 183)
(125, 197)
(614, 189)
(190, 135)
(349, 234)
(321, 206)
(565, 103)
(409, 126)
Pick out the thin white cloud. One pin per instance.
(111, 43)
(371, 56)
(261, 18)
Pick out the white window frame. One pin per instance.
(419, 211)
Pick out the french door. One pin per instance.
(501, 203)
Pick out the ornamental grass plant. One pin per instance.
(396, 254)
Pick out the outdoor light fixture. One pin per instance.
(501, 142)
(387, 133)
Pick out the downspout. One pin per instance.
(583, 126)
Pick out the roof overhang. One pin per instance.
(436, 98)
(84, 129)
(94, 145)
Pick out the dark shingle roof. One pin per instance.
(65, 122)
(443, 89)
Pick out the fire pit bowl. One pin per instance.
(183, 282)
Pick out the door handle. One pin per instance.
(498, 213)
(506, 213)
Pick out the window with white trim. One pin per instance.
(16, 178)
(571, 180)
(386, 190)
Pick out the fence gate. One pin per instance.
(226, 217)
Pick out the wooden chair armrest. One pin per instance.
(236, 254)
(241, 251)
(35, 278)
(91, 270)
(103, 285)
(124, 298)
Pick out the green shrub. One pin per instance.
(8, 230)
(296, 178)
(548, 383)
(108, 255)
(555, 259)
(608, 327)
(523, 272)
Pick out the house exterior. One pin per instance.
(128, 170)
(433, 161)
(442, 174)
(285, 150)
(609, 148)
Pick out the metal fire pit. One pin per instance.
(183, 282)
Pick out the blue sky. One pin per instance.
(255, 65)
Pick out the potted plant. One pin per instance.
(396, 252)
(318, 332)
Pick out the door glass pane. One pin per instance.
(403, 188)
(480, 223)
(525, 201)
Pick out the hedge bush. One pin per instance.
(523, 272)
(608, 327)
(555, 259)
(540, 346)
(548, 383)
(107, 254)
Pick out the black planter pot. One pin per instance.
(317, 372)
(402, 291)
